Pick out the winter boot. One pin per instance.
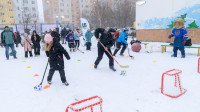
(121, 54)
(74, 49)
(70, 49)
(95, 66)
(112, 68)
(30, 52)
(66, 84)
(173, 55)
(183, 56)
(49, 82)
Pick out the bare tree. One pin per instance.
(103, 15)
(28, 19)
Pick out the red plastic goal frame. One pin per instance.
(176, 74)
(89, 106)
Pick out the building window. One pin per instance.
(61, 10)
(34, 15)
(11, 17)
(10, 10)
(61, 4)
(3, 21)
(25, 8)
(56, 4)
(9, 3)
(33, 2)
(2, 13)
(25, 1)
(33, 8)
(19, 15)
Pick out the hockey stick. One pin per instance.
(113, 57)
(129, 53)
(78, 49)
(43, 75)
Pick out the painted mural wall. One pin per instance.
(160, 14)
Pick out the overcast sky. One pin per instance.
(40, 8)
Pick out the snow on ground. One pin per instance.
(138, 91)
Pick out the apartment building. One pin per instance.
(7, 12)
(65, 11)
(26, 10)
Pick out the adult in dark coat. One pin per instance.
(55, 52)
(64, 32)
(35, 38)
(107, 40)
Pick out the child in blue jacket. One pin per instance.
(122, 40)
(70, 40)
(181, 36)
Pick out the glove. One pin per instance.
(184, 42)
(170, 37)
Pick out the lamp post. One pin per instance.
(140, 2)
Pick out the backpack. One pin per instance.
(134, 41)
(188, 42)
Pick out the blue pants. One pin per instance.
(182, 49)
(12, 48)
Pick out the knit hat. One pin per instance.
(179, 23)
(48, 38)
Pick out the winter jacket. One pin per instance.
(180, 35)
(76, 35)
(64, 32)
(27, 44)
(116, 34)
(55, 55)
(88, 36)
(8, 37)
(18, 38)
(2, 36)
(106, 38)
(70, 38)
(56, 35)
(36, 40)
(123, 37)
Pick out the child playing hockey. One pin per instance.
(77, 35)
(122, 40)
(70, 40)
(27, 45)
(181, 36)
(54, 52)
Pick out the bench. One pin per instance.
(164, 48)
(145, 44)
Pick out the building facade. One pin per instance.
(66, 11)
(26, 10)
(7, 12)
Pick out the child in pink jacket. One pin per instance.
(27, 45)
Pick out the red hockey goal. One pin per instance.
(173, 74)
(80, 106)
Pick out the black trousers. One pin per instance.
(101, 51)
(88, 46)
(62, 75)
(77, 43)
(71, 45)
(36, 49)
(119, 47)
(30, 53)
